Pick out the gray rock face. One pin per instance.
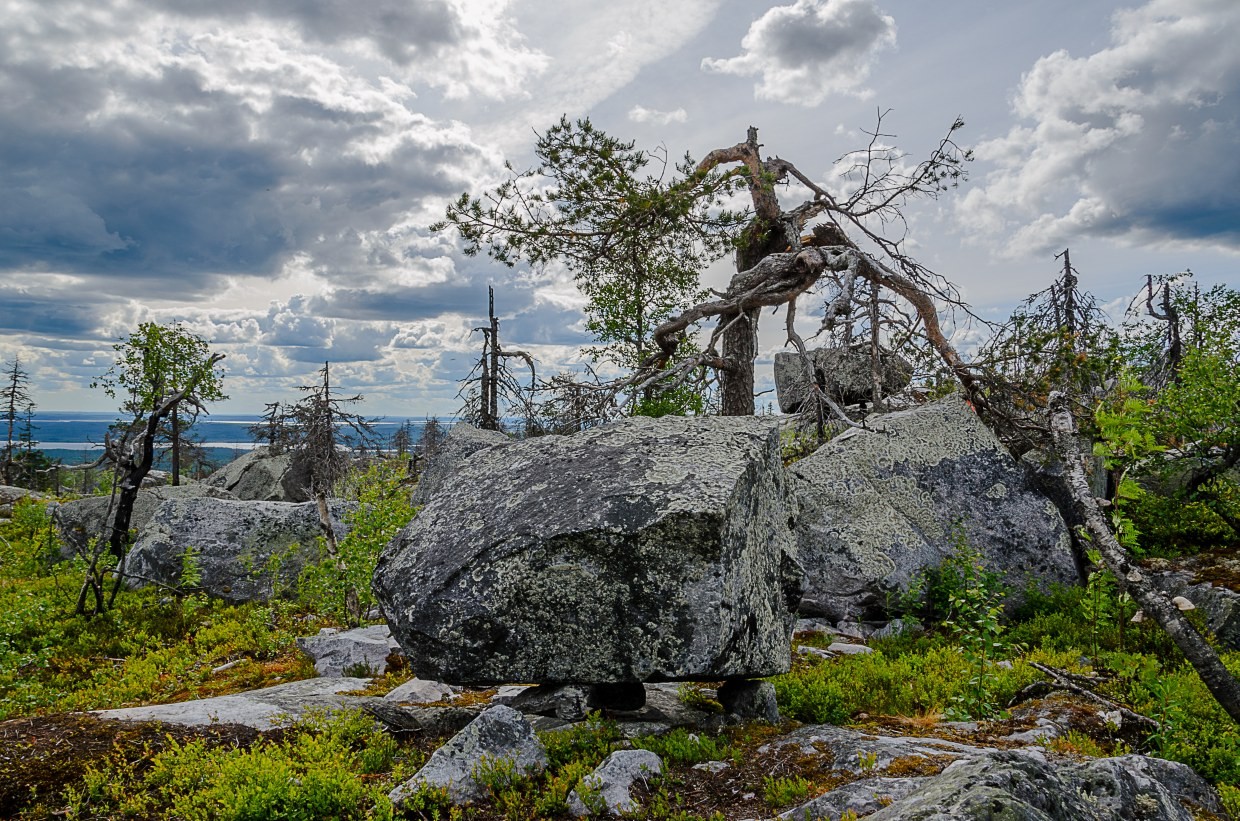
(609, 788)
(462, 442)
(420, 691)
(844, 374)
(260, 476)
(500, 735)
(362, 651)
(1220, 605)
(277, 706)
(81, 519)
(1024, 786)
(646, 550)
(878, 507)
(860, 797)
(9, 496)
(238, 544)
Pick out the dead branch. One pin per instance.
(1221, 684)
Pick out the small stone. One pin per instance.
(609, 787)
(849, 649)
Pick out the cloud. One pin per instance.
(641, 114)
(1136, 142)
(811, 49)
(162, 151)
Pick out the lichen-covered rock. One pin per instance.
(420, 691)
(646, 550)
(80, 520)
(860, 798)
(609, 788)
(844, 373)
(9, 496)
(1220, 605)
(238, 545)
(498, 738)
(1023, 785)
(462, 442)
(362, 651)
(878, 507)
(263, 476)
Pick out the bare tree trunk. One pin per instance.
(492, 374)
(740, 348)
(1221, 684)
(176, 448)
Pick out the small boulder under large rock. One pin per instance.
(844, 373)
(80, 520)
(879, 507)
(263, 476)
(245, 551)
(645, 550)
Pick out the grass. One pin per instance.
(155, 647)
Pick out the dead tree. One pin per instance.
(1153, 602)
(132, 457)
(491, 378)
(776, 263)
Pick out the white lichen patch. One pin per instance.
(996, 491)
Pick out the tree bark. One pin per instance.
(1221, 684)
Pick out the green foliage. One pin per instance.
(779, 792)
(976, 606)
(340, 586)
(634, 241)
(317, 771)
(28, 541)
(590, 741)
(683, 747)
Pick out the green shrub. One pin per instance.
(29, 544)
(782, 792)
(683, 747)
(340, 586)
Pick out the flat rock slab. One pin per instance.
(879, 507)
(645, 550)
(264, 709)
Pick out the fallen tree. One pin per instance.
(1153, 602)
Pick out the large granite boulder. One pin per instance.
(844, 373)
(879, 507)
(645, 550)
(246, 551)
(81, 519)
(263, 476)
(462, 442)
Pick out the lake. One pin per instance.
(77, 436)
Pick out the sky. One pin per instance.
(266, 171)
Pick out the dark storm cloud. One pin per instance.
(1137, 141)
(47, 315)
(162, 159)
(425, 302)
(402, 30)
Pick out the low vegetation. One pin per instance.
(156, 646)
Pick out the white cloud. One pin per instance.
(641, 114)
(811, 49)
(1139, 142)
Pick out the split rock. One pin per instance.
(609, 787)
(361, 651)
(878, 507)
